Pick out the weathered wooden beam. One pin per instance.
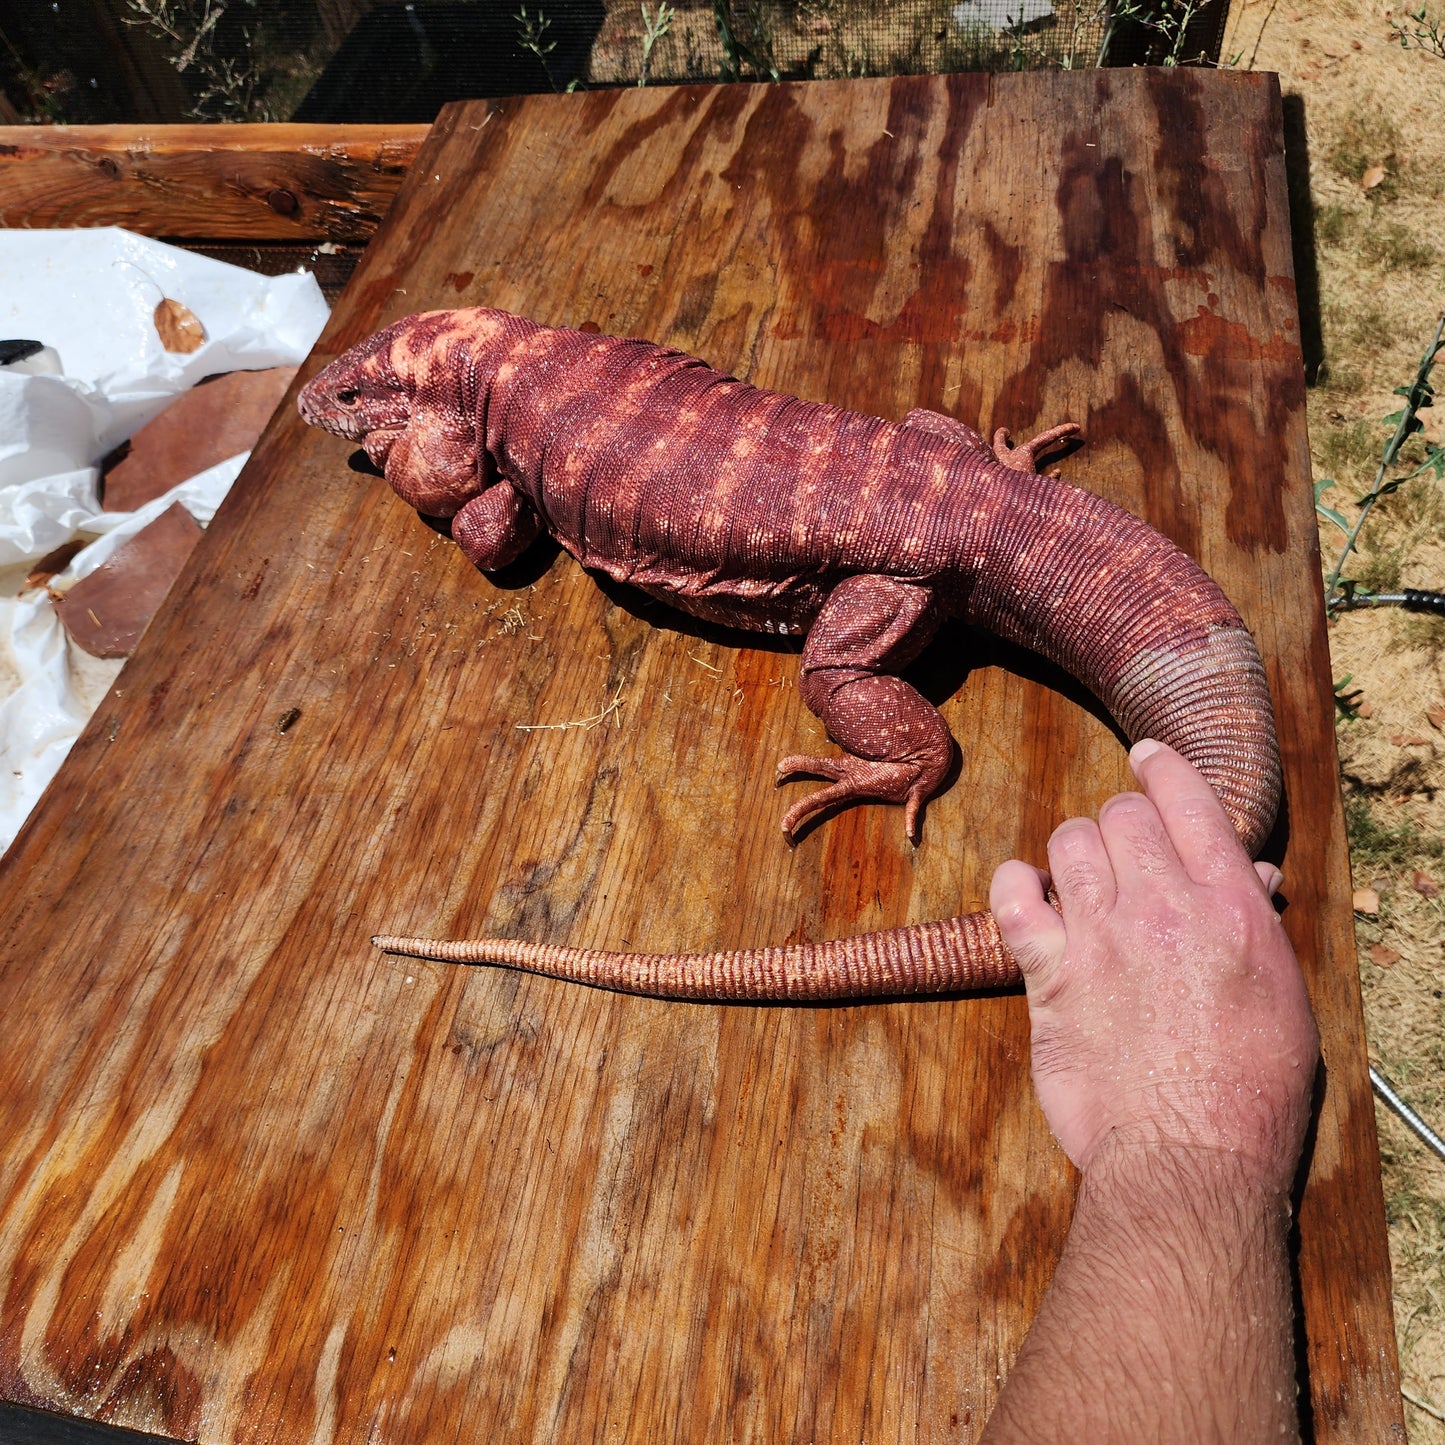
(221, 182)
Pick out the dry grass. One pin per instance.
(1375, 124)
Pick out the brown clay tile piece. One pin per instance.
(216, 419)
(106, 612)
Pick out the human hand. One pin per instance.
(1166, 1004)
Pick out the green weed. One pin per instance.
(654, 27)
(1392, 247)
(1379, 847)
(1349, 448)
(1333, 224)
(1419, 31)
(222, 65)
(1367, 328)
(1367, 138)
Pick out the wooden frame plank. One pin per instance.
(293, 183)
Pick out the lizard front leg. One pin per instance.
(898, 748)
(497, 527)
(434, 463)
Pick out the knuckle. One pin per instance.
(1079, 882)
(1076, 874)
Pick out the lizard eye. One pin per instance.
(347, 397)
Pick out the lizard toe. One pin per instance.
(918, 795)
(859, 780)
(805, 809)
(813, 767)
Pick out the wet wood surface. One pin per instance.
(221, 182)
(259, 1182)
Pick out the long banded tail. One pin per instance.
(951, 955)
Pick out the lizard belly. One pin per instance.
(786, 608)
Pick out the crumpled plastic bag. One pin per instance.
(92, 296)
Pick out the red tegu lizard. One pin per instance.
(755, 509)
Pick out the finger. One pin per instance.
(1031, 929)
(1082, 873)
(1270, 876)
(1140, 850)
(1198, 828)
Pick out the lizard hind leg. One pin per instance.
(897, 748)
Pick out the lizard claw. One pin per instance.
(1025, 458)
(856, 780)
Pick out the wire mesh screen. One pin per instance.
(89, 61)
(783, 39)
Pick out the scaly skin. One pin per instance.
(764, 512)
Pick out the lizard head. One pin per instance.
(397, 395)
(359, 396)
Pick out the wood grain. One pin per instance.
(259, 1183)
(220, 182)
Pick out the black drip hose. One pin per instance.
(1412, 599)
(1415, 600)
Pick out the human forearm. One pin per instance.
(1168, 1318)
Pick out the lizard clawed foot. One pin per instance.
(857, 780)
(1025, 458)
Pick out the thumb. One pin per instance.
(1032, 930)
(1270, 876)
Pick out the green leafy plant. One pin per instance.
(1077, 38)
(1169, 19)
(1403, 424)
(1348, 699)
(654, 27)
(1419, 31)
(532, 35)
(227, 83)
(742, 29)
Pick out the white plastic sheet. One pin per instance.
(91, 297)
